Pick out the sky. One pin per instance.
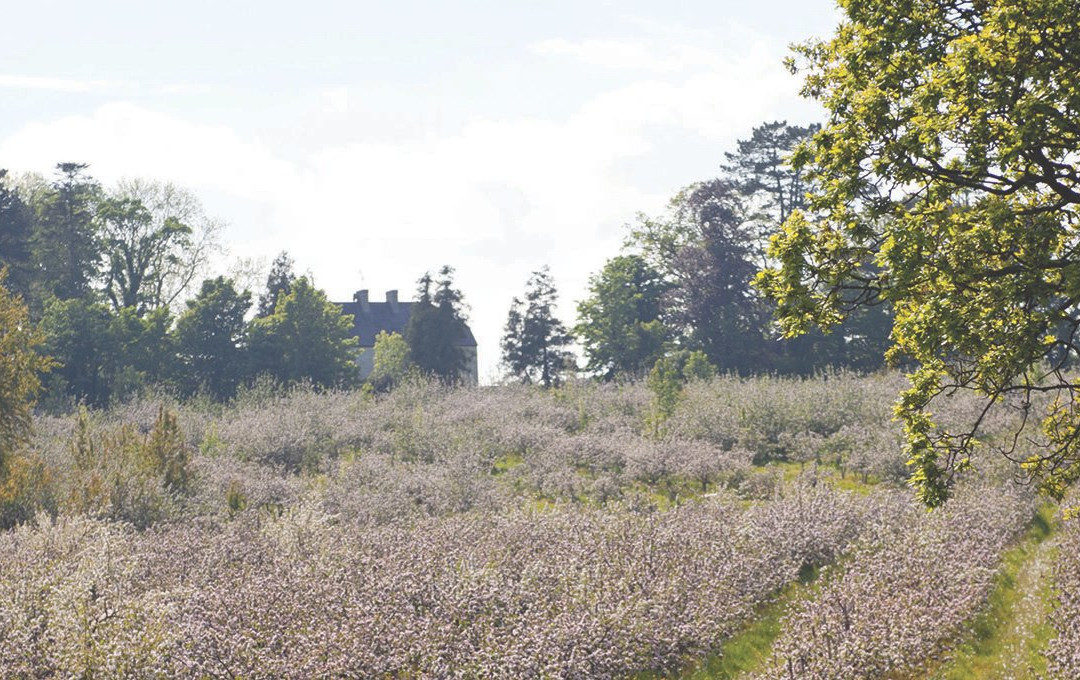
(375, 141)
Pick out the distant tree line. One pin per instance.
(113, 282)
(683, 286)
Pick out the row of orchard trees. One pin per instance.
(683, 285)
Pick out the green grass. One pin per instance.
(829, 473)
(1008, 636)
(747, 649)
(506, 463)
(996, 647)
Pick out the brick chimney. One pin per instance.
(361, 296)
(391, 298)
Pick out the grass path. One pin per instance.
(748, 648)
(1005, 642)
(1008, 636)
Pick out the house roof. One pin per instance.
(371, 318)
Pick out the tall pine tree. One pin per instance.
(279, 283)
(436, 328)
(534, 343)
(66, 245)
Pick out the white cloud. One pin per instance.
(630, 54)
(182, 89)
(496, 199)
(335, 100)
(123, 139)
(54, 84)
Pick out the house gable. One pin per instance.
(392, 316)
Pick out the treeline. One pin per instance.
(115, 280)
(112, 280)
(681, 292)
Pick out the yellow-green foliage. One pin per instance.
(23, 478)
(391, 362)
(958, 117)
(165, 454)
(26, 488)
(126, 475)
(20, 367)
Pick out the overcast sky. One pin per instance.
(377, 140)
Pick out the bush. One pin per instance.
(124, 475)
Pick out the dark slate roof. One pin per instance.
(382, 316)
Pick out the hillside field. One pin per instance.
(762, 530)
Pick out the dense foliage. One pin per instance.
(947, 183)
(99, 269)
(20, 366)
(210, 340)
(619, 322)
(307, 338)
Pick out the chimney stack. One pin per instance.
(361, 296)
(391, 298)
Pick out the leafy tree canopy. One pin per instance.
(209, 339)
(619, 324)
(156, 244)
(306, 339)
(705, 253)
(390, 363)
(947, 182)
(81, 335)
(138, 253)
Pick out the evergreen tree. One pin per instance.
(66, 245)
(16, 232)
(279, 283)
(145, 353)
(534, 343)
(437, 327)
(772, 186)
(80, 336)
